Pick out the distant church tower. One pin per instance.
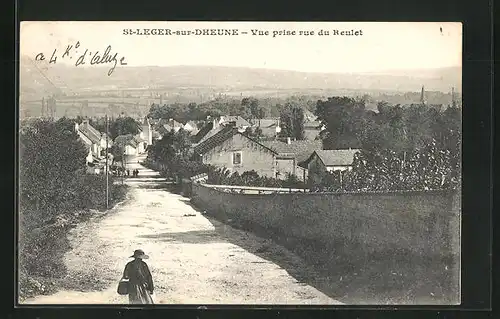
(422, 95)
(147, 132)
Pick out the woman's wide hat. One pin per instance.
(139, 253)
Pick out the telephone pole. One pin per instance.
(107, 169)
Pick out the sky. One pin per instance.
(383, 46)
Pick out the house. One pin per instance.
(106, 143)
(268, 126)
(292, 155)
(156, 135)
(140, 144)
(312, 129)
(215, 126)
(309, 116)
(172, 124)
(238, 120)
(90, 157)
(230, 148)
(146, 133)
(95, 140)
(322, 161)
(191, 127)
(132, 145)
(162, 126)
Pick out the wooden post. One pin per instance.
(340, 174)
(304, 180)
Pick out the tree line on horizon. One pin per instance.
(406, 147)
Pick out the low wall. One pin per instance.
(422, 223)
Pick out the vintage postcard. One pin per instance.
(251, 163)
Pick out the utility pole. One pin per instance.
(107, 169)
(123, 164)
(304, 179)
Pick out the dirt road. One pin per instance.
(193, 259)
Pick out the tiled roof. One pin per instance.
(139, 139)
(174, 123)
(309, 115)
(126, 140)
(90, 132)
(337, 157)
(212, 133)
(235, 118)
(264, 123)
(225, 133)
(214, 140)
(312, 125)
(204, 131)
(192, 123)
(300, 149)
(93, 130)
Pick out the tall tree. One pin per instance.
(342, 118)
(124, 126)
(50, 154)
(182, 143)
(249, 108)
(292, 122)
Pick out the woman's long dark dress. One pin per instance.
(140, 282)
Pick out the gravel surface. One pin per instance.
(193, 259)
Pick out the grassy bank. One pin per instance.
(43, 243)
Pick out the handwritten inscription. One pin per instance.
(85, 56)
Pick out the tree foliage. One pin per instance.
(414, 147)
(292, 122)
(50, 155)
(250, 108)
(124, 126)
(254, 133)
(116, 126)
(400, 128)
(54, 192)
(344, 120)
(222, 176)
(171, 151)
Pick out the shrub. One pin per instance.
(427, 168)
(55, 194)
(222, 176)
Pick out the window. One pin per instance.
(237, 158)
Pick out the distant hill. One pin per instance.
(69, 79)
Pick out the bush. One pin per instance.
(222, 176)
(427, 168)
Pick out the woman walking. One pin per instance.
(140, 279)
